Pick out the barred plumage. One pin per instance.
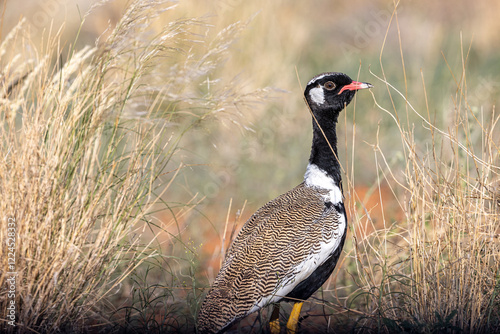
(290, 246)
(267, 253)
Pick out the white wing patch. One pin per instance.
(313, 261)
(316, 177)
(303, 270)
(317, 95)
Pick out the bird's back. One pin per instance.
(281, 245)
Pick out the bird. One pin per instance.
(289, 247)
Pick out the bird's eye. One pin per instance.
(329, 85)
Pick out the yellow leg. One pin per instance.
(293, 321)
(274, 323)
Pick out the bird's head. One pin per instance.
(332, 91)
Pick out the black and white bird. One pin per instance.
(290, 246)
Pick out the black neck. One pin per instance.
(321, 152)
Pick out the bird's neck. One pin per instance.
(321, 152)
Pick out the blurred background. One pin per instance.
(257, 149)
(263, 150)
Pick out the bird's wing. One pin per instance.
(277, 248)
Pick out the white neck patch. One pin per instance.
(316, 177)
(317, 95)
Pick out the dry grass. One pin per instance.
(88, 137)
(437, 270)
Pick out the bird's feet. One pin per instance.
(293, 320)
